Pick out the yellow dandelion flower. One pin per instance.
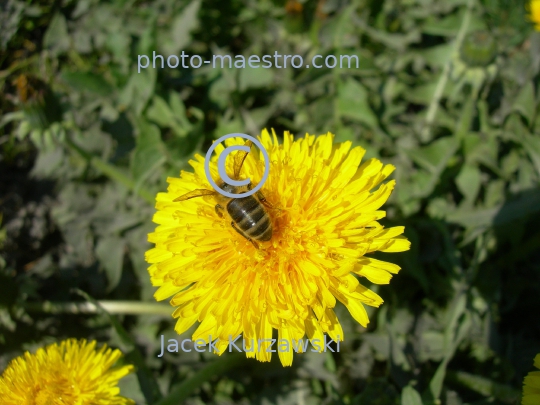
(534, 10)
(324, 222)
(70, 373)
(531, 385)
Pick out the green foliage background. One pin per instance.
(446, 90)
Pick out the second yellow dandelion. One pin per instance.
(72, 372)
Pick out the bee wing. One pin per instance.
(201, 192)
(239, 159)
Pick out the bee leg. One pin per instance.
(254, 243)
(219, 210)
(265, 202)
(263, 199)
(238, 230)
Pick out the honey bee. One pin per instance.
(248, 215)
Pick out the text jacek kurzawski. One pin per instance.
(235, 344)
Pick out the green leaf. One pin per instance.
(432, 346)
(178, 109)
(251, 78)
(111, 171)
(438, 55)
(149, 152)
(10, 17)
(87, 81)
(525, 102)
(435, 157)
(456, 327)
(170, 116)
(450, 25)
(436, 383)
(182, 25)
(12, 116)
(467, 115)
(110, 253)
(147, 40)
(159, 112)
(469, 182)
(531, 145)
(409, 396)
(119, 44)
(353, 103)
(526, 203)
(222, 87)
(423, 93)
(56, 37)
(130, 388)
(138, 90)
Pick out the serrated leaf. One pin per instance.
(110, 253)
(353, 103)
(170, 116)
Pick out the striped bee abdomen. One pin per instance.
(251, 218)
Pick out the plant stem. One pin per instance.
(112, 307)
(425, 135)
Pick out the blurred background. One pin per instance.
(447, 91)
